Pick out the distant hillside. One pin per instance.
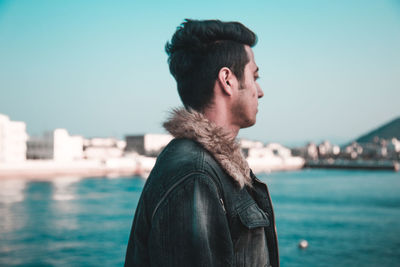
(387, 131)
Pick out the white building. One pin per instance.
(394, 145)
(312, 151)
(103, 148)
(247, 145)
(147, 144)
(57, 145)
(326, 149)
(272, 157)
(13, 138)
(353, 150)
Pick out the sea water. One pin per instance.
(349, 218)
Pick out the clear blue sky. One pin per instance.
(329, 69)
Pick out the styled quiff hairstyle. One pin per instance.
(197, 52)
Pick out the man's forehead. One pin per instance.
(250, 52)
(252, 64)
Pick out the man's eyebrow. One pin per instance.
(256, 70)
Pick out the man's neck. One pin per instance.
(220, 117)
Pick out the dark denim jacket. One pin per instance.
(191, 213)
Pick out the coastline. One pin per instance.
(115, 167)
(141, 166)
(39, 169)
(353, 164)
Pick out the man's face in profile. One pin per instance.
(245, 106)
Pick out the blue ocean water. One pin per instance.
(349, 218)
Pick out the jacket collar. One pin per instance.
(193, 125)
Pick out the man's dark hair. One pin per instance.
(197, 52)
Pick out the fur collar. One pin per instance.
(193, 125)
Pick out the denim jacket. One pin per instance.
(193, 213)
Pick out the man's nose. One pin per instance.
(260, 92)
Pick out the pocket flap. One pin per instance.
(252, 216)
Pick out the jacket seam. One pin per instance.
(176, 184)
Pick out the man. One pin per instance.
(202, 205)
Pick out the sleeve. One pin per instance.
(190, 227)
(136, 252)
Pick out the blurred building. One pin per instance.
(379, 149)
(57, 145)
(147, 144)
(309, 152)
(270, 157)
(247, 145)
(394, 148)
(103, 148)
(395, 145)
(13, 138)
(327, 150)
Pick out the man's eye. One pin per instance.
(256, 78)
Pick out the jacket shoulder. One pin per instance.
(180, 159)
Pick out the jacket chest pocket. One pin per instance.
(250, 244)
(251, 216)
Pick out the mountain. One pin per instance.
(387, 131)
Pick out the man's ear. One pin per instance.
(226, 80)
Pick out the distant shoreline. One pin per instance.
(39, 169)
(48, 169)
(56, 174)
(353, 164)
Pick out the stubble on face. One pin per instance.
(244, 114)
(245, 107)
